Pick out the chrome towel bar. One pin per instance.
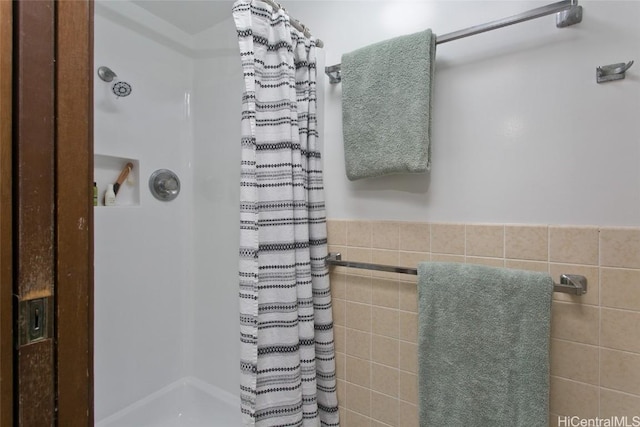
(567, 13)
(569, 283)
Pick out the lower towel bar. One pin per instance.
(569, 283)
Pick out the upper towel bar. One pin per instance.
(569, 283)
(568, 13)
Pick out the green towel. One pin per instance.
(483, 346)
(386, 106)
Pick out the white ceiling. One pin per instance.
(191, 16)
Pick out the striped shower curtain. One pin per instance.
(286, 329)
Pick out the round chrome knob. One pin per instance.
(164, 185)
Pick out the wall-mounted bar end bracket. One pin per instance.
(334, 74)
(569, 17)
(572, 284)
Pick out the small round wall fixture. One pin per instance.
(121, 89)
(164, 185)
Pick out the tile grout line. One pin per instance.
(399, 313)
(370, 362)
(504, 245)
(575, 342)
(464, 241)
(624, 310)
(627, 352)
(626, 393)
(548, 248)
(398, 367)
(575, 381)
(599, 322)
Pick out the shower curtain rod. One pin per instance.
(567, 13)
(569, 283)
(296, 24)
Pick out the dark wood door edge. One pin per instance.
(34, 191)
(6, 245)
(54, 215)
(74, 204)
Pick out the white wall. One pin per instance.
(521, 131)
(142, 253)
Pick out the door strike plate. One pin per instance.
(35, 322)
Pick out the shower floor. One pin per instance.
(188, 402)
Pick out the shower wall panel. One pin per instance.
(142, 253)
(218, 87)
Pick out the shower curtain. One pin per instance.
(286, 329)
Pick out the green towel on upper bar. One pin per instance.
(483, 346)
(386, 106)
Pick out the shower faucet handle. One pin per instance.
(164, 185)
(169, 185)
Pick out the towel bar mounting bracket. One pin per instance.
(333, 71)
(576, 282)
(569, 17)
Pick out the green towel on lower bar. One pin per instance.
(483, 346)
(386, 106)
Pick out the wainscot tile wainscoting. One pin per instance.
(595, 338)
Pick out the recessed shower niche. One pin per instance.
(111, 170)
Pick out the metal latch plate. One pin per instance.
(36, 320)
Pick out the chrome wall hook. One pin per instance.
(611, 72)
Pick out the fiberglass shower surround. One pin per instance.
(163, 268)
